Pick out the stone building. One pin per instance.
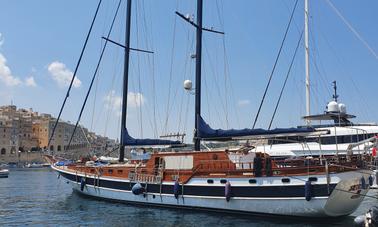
(27, 131)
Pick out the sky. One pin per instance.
(41, 40)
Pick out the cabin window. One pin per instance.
(223, 181)
(313, 179)
(210, 181)
(110, 171)
(252, 181)
(120, 171)
(285, 180)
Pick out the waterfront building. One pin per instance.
(26, 131)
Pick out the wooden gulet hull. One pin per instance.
(268, 195)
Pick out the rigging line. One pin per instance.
(149, 45)
(207, 99)
(275, 64)
(138, 97)
(187, 59)
(354, 31)
(74, 74)
(316, 58)
(154, 99)
(185, 125)
(111, 98)
(94, 75)
(216, 82)
(95, 97)
(287, 76)
(364, 105)
(226, 63)
(189, 74)
(170, 72)
(217, 112)
(216, 85)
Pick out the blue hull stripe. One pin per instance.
(319, 190)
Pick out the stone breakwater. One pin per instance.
(23, 157)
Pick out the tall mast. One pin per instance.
(308, 122)
(125, 82)
(197, 145)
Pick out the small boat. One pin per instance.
(37, 165)
(4, 173)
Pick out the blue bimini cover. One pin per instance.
(130, 141)
(206, 132)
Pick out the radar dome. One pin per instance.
(333, 107)
(188, 85)
(342, 108)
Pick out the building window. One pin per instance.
(59, 148)
(3, 151)
(52, 148)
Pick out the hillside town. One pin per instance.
(25, 134)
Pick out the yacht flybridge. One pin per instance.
(342, 137)
(315, 187)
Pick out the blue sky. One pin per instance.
(41, 42)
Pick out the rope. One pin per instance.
(170, 73)
(94, 75)
(275, 64)
(216, 83)
(354, 31)
(74, 74)
(287, 76)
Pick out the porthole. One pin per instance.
(252, 181)
(223, 181)
(285, 180)
(210, 181)
(313, 179)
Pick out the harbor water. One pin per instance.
(35, 197)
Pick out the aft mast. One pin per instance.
(197, 141)
(125, 82)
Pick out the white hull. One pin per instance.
(339, 203)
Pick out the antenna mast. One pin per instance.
(308, 122)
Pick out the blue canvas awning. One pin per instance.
(130, 141)
(207, 133)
